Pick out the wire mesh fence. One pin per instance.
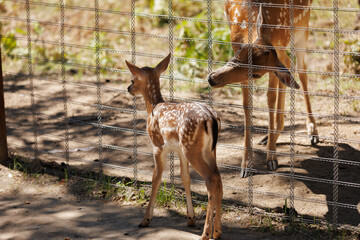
(66, 98)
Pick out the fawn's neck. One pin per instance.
(152, 97)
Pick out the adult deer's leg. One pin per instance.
(271, 159)
(156, 181)
(310, 123)
(185, 177)
(281, 97)
(246, 153)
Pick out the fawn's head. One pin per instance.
(264, 60)
(146, 80)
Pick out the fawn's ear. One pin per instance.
(162, 66)
(134, 69)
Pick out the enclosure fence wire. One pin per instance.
(31, 80)
(98, 82)
(249, 109)
(134, 122)
(292, 111)
(209, 47)
(336, 114)
(172, 79)
(63, 80)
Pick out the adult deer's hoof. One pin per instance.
(314, 139)
(205, 236)
(263, 141)
(217, 235)
(244, 172)
(272, 165)
(191, 222)
(145, 223)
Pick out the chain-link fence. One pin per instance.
(65, 87)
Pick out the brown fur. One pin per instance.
(276, 61)
(183, 128)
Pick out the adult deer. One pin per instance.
(276, 62)
(191, 130)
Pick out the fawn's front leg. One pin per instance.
(156, 181)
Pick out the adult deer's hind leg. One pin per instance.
(244, 163)
(310, 123)
(156, 181)
(271, 160)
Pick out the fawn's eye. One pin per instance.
(256, 76)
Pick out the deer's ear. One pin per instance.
(162, 66)
(259, 21)
(134, 69)
(284, 76)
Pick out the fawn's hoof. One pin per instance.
(272, 165)
(263, 141)
(314, 139)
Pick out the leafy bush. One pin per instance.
(198, 49)
(353, 61)
(9, 44)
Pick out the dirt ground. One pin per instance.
(270, 190)
(67, 215)
(43, 207)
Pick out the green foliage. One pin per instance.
(17, 166)
(198, 49)
(9, 44)
(285, 206)
(106, 58)
(165, 196)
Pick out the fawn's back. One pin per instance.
(175, 125)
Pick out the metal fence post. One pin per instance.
(3, 136)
